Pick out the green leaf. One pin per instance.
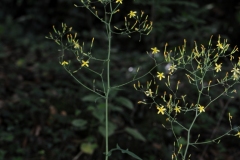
(88, 148)
(116, 108)
(98, 112)
(125, 102)
(111, 129)
(135, 133)
(79, 122)
(90, 98)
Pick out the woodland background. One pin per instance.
(46, 115)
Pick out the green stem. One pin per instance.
(107, 91)
(196, 115)
(108, 27)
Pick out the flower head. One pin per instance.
(238, 61)
(238, 134)
(64, 63)
(132, 14)
(218, 67)
(161, 109)
(219, 45)
(236, 73)
(160, 75)
(85, 63)
(76, 45)
(235, 77)
(177, 109)
(149, 93)
(172, 68)
(119, 1)
(155, 50)
(201, 108)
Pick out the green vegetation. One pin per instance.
(46, 114)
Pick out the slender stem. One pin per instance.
(109, 36)
(107, 91)
(196, 114)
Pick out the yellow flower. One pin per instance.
(149, 93)
(235, 70)
(238, 61)
(64, 63)
(235, 77)
(160, 75)
(219, 45)
(172, 68)
(236, 73)
(238, 134)
(132, 14)
(201, 108)
(155, 50)
(218, 67)
(161, 109)
(119, 1)
(76, 45)
(85, 63)
(177, 109)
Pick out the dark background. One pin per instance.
(39, 101)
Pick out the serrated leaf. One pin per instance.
(135, 133)
(125, 102)
(79, 122)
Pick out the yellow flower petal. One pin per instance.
(85, 63)
(64, 63)
(155, 50)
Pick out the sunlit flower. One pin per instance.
(160, 75)
(201, 108)
(132, 14)
(161, 109)
(149, 93)
(85, 63)
(238, 134)
(64, 63)
(218, 67)
(177, 109)
(155, 50)
(119, 1)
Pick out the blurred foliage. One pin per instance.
(44, 115)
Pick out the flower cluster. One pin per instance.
(200, 62)
(72, 44)
(135, 23)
